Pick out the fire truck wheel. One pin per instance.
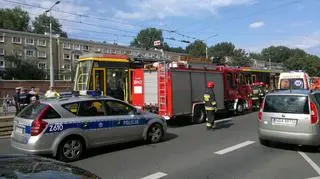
(155, 133)
(199, 114)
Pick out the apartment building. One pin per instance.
(65, 51)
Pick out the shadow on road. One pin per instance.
(124, 146)
(183, 121)
(283, 146)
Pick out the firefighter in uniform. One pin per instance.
(210, 104)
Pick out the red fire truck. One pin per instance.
(170, 88)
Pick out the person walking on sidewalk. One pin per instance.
(210, 104)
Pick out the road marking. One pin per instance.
(223, 120)
(155, 175)
(318, 177)
(313, 165)
(235, 147)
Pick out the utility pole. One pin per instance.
(206, 52)
(51, 60)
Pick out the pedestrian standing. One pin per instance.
(51, 93)
(210, 104)
(17, 99)
(5, 104)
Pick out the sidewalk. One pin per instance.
(11, 112)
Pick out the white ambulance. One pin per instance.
(294, 80)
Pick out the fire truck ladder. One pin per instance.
(162, 89)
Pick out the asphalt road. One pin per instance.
(190, 151)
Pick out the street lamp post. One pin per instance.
(51, 60)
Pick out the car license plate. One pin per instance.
(286, 122)
(19, 130)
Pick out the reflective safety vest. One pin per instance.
(51, 94)
(209, 100)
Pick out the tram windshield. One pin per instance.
(83, 75)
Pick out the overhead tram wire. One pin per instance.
(95, 25)
(258, 12)
(94, 17)
(75, 14)
(248, 15)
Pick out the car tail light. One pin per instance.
(314, 113)
(260, 111)
(38, 125)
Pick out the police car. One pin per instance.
(67, 127)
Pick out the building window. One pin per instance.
(76, 57)
(98, 50)
(42, 42)
(66, 45)
(66, 56)
(42, 65)
(76, 47)
(85, 47)
(2, 37)
(29, 41)
(1, 51)
(67, 66)
(16, 40)
(2, 63)
(113, 51)
(107, 51)
(42, 55)
(67, 77)
(29, 53)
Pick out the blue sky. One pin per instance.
(249, 24)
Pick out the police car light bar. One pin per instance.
(94, 93)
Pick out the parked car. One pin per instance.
(290, 117)
(28, 166)
(67, 127)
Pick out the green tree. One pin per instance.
(146, 37)
(220, 51)
(14, 19)
(240, 58)
(277, 54)
(41, 24)
(22, 70)
(197, 48)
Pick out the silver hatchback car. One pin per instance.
(67, 127)
(290, 117)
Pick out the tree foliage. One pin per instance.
(22, 70)
(41, 24)
(146, 37)
(227, 50)
(197, 48)
(276, 53)
(14, 19)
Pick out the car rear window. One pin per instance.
(32, 111)
(286, 104)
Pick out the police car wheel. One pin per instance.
(155, 133)
(71, 149)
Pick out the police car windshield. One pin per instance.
(32, 111)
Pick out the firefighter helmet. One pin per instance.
(211, 84)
